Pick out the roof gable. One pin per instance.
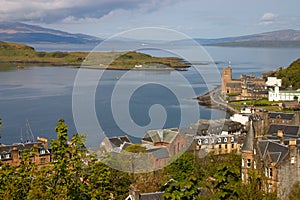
(161, 135)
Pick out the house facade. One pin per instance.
(277, 157)
(283, 95)
(39, 152)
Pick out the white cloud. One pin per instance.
(269, 17)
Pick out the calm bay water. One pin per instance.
(42, 95)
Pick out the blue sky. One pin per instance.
(196, 18)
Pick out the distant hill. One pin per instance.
(280, 38)
(29, 34)
(25, 33)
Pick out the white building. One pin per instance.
(272, 81)
(283, 95)
(242, 118)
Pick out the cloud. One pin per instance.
(268, 19)
(51, 11)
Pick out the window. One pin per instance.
(270, 172)
(225, 146)
(266, 172)
(7, 156)
(42, 151)
(232, 146)
(220, 146)
(254, 164)
(248, 163)
(292, 160)
(270, 187)
(225, 139)
(43, 160)
(243, 163)
(232, 139)
(254, 151)
(199, 141)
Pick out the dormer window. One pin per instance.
(232, 139)
(43, 151)
(7, 156)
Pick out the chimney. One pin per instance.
(293, 151)
(280, 136)
(15, 155)
(134, 192)
(292, 143)
(44, 141)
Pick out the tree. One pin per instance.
(183, 183)
(182, 168)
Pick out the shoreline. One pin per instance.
(213, 100)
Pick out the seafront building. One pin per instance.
(39, 152)
(283, 95)
(246, 87)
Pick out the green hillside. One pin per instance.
(20, 54)
(290, 75)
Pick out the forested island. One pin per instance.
(23, 55)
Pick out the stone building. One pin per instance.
(170, 138)
(246, 87)
(277, 157)
(218, 144)
(39, 152)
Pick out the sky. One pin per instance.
(195, 18)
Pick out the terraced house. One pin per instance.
(38, 151)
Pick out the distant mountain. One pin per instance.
(280, 38)
(25, 33)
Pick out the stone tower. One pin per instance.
(248, 152)
(226, 77)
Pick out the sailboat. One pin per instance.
(28, 134)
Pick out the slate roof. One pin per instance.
(286, 116)
(152, 196)
(160, 153)
(288, 130)
(276, 151)
(119, 140)
(161, 135)
(275, 156)
(249, 140)
(233, 85)
(20, 146)
(148, 196)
